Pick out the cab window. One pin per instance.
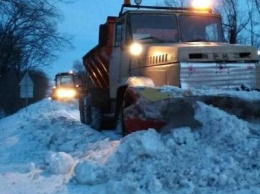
(119, 34)
(157, 27)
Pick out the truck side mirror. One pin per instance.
(103, 33)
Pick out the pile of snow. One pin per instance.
(222, 156)
(45, 149)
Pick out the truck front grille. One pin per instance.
(218, 75)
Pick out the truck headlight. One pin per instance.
(136, 49)
(66, 93)
(201, 4)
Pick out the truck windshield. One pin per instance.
(164, 28)
(65, 80)
(154, 27)
(200, 28)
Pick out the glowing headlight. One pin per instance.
(201, 4)
(66, 93)
(136, 49)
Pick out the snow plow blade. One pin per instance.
(157, 108)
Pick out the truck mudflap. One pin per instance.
(159, 108)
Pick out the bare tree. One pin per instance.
(78, 66)
(29, 39)
(235, 19)
(28, 34)
(254, 24)
(257, 5)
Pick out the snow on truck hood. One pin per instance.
(251, 96)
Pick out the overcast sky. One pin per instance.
(82, 20)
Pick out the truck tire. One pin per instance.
(81, 113)
(96, 118)
(85, 110)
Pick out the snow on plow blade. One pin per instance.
(159, 107)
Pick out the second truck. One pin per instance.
(147, 47)
(67, 86)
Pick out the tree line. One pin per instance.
(29, 40)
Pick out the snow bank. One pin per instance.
(221, 156)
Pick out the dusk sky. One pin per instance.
(81, 20)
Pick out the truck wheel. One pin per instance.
(81, 113)
(96, 118)
(85, 110)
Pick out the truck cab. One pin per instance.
(157, 46)
(179, 46)
(66, 86)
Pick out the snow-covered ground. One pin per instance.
(44, 149)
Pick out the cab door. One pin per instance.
(120, 60)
